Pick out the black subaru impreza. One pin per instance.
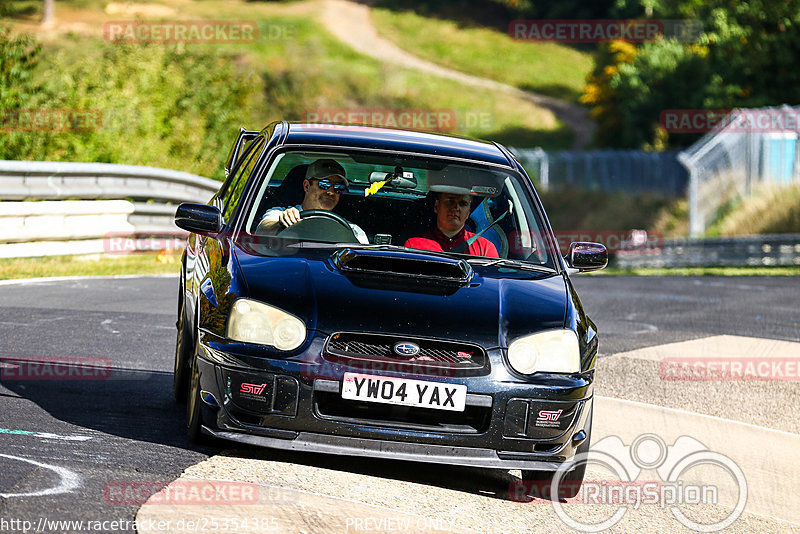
(376, 292)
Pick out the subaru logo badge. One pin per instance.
(406, 349)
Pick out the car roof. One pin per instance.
(369, 137)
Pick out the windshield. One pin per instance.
(389, 200)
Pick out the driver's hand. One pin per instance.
(289, 217)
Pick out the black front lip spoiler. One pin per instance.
(414, 452)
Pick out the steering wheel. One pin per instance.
(320, 225)
(315, 214)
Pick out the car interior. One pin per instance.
(403, 208)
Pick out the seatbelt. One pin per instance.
(466, 244)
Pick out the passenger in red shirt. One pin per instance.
(452, 211)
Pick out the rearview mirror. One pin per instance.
(400, 179)
(586, 256)
(199, 218)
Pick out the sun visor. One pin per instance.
(465, 181)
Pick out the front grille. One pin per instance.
(434, 356)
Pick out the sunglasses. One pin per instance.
(325, 184)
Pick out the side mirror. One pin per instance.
(199, 219)
(587, 256)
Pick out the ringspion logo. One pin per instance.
(682, 485)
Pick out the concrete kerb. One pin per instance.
(765, 456)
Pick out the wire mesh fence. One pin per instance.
(749, 148)
(631, 171)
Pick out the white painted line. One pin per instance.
(106, 326)
(767, 457)
(45, 435)
(69, 479)
(680, 412)
(723, 346)
(26, 281)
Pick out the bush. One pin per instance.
(745, 57)
(188, 126)
(18, 58)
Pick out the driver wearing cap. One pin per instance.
(324, 184)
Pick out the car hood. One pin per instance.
(491, 306)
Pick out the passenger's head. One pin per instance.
(324, 184)
(452, 211)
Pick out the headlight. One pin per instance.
(255, 322)
(554, 351)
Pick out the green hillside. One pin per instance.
(547, 68)
(179, 106)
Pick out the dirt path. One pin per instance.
(351, 23)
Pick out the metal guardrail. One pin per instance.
(46, 180)
(744, 251)
(50, 228)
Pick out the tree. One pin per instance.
(49, 13)
(745, 57)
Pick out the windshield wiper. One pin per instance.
(508, 262)
(381, 247)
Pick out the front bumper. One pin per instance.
(288, 405)
(415, 452)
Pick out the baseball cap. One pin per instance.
(322, 168)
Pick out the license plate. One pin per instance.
(404, 392)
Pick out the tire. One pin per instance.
(194, 406)
(570, 482)
(183, 353)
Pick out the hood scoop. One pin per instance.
(419, 268)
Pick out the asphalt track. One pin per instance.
(67, 444)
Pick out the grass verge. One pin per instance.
(547, 68)
(94, 265)
(152, 263)
(206, 92)
(702, 271)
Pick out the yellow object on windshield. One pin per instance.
(374, 188)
